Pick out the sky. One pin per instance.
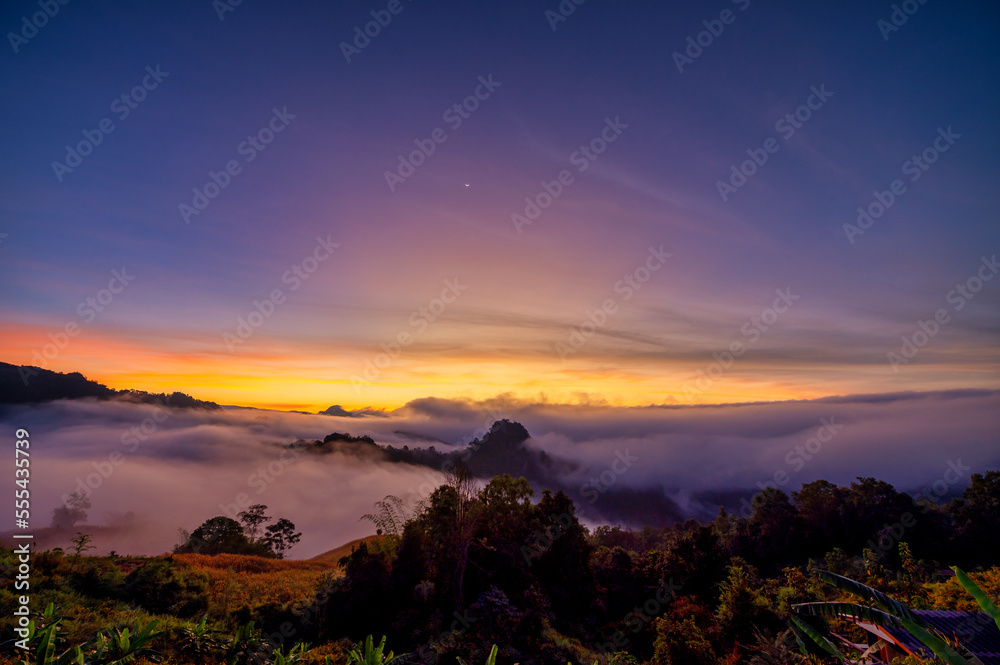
(498, 198)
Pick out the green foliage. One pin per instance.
(716, 593)
(389, 517)
(901, 613)
(682, 642)
(161, 588)
(81, 543)
(781, 650)
(490, 659)
(819, 639)
(743, 608)
(117, 648)
(122, 646)
(221, 535)
(98, 579)
(247, 646)
(296, 654)
(982, 599)
(371, 654)
(200, 640)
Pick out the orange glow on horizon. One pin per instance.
(312, 380)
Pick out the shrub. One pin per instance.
(160, 588)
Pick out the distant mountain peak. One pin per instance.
(506, 432)
(336, 410)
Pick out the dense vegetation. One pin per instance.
(528, 576)
(477, 566)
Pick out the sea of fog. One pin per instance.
(152, 471)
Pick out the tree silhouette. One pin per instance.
(281, 537)
(252, 519)
(72, 512)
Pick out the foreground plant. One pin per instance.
(984, 601)
(120, 647)
(200, 639)
(490, 660)
(887, 611)
(371, 654)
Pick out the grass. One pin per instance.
(237, 580)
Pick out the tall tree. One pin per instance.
(72, 512)
(281, 537)
(252, 519)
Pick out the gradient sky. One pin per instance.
(323, 177)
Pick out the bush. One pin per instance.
(160, 588)
(99, 580)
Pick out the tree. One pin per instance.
(563, 569)
(778, 528)
(281, 537)
(821, 506)
(743, 608)
(221, 535)
(72, 512)
(81, 543)
(977, 517)
(389, 517)
(252, 518)
(466, 517)
(682, 641)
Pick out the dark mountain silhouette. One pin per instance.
(20, 385)
(337, 410)
(505, 449)
(26, 385)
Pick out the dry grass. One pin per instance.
(247, 580)
(334, 555)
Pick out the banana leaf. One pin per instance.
(823, 643)
(984, 601)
